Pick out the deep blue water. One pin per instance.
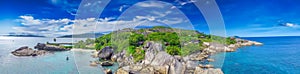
(278, 55)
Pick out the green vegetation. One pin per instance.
(218, 39)
(137, 53)
(67, 47)
(170, 38)
(135, 39)
(87, 44)
(161, 27)
(175, 41)
(230, 41)
(102, 41)
(55, 44)
(173, 50)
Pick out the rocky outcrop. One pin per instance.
(153, 49)
(108, 71)
(107, 63)
(42, 46)
(121, 71)
(25, 51)
(41, 50)
(217, 47)
(157, 61)
(105, 53)
(199, 70)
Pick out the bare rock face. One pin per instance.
(157, 61)
(25, 51)
(42, 46)
(105, 53)
(121, 71)
(164, 59)
(153, 49)
(199, 70)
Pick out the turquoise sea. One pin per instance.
(278, 55)
(55, 63)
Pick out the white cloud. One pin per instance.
(29, 20)
(289, 25)
(185, 2)
(157, 13)
(52, 27)
(150, 4)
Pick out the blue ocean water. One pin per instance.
(55, 63)
(278, 55)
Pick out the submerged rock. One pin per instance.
(108, 71)
(107, 63)
(199, 70)
(93, 63)
(26, 51)
(121, 71)
(105, 53)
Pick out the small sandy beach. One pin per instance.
(83, 50)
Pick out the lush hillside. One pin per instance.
(175, 41)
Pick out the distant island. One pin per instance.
(85, 35)
(23, 35)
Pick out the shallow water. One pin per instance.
(55, 63)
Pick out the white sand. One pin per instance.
(83, 50)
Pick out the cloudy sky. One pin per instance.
(57, 17)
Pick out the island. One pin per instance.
(42, 49)
(163, 50)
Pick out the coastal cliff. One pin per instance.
(161, 51)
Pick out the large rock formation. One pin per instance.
(153, 49)
(42, 46)
(105, 53)
(157, 61)
(25, 51)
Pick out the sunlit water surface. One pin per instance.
(55, 63)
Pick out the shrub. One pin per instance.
(173, 50)
(135, 39)
(230, 41)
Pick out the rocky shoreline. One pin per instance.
(42, 49)
(157, 61)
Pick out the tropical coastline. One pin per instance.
(156, 60)
(149, 37)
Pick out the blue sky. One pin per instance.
(241, 17)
